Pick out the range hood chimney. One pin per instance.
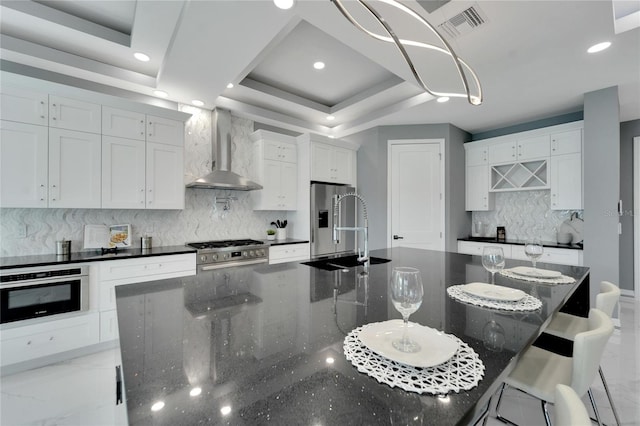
(222, 177)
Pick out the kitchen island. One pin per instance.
(263, 343)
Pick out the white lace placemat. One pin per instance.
(562, 279)
(526, 304)
(462, 372)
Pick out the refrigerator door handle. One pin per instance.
(336, 219)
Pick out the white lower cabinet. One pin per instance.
(552, 255)
(475, 248)
(79, 391)
(48, 338)
(289, 253)
(516, 251)
(127, 271)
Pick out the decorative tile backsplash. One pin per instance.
(525, 215)
(35, 231)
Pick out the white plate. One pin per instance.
(494, 292)
(536, 273)
(435, 346)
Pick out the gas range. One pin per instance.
(228, 253)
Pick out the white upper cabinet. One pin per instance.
(164, 177)
(516, 150)
(66, 152)
(123, 173)
(477, 195)
(276, 161)
(123, 124)
(72, 114)
(280, 151)
(74, 169)
(566, 142)
(165, 131)
(533, 148)
(476, 156)
(24, 106)
(547, 158)
(565, 169)
(23, 165)
(333, 164)
(566, 182)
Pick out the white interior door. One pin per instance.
(416, 194)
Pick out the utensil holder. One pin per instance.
(146, 242)
(63, 247)
(281, 233)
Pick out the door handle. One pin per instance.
(395, 237)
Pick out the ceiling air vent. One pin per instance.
(464, 22)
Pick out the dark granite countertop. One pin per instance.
(521, 242)
(263, 343)
(285, 242)
(87, 256)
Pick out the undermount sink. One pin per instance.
(336, 263)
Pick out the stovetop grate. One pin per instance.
(224, 244)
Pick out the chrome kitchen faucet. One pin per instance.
(364, 256)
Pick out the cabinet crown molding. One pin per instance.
(526, 134)
(266, 134)
(310, 137)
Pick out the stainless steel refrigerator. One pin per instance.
(322, 219)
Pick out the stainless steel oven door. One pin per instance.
(38, 298)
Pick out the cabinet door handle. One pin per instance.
(118, 384)
(42, 109)
(142, 127)
(54, 111)
(395, 237)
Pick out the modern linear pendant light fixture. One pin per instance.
(463, 69)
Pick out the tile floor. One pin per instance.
(621, 367)
(64, 396)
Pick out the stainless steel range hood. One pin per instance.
(222, 177)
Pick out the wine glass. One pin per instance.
(406, 295)
(493, 335)
(533, 249)
(492, 260)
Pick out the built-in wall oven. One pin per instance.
(40, 292)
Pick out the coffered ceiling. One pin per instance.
(530, 57)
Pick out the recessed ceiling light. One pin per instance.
(331, 137)
(283, 4)
(442, 99)
(160, 93)
(318, 65)
(225, 410)
(141, 57)
(330, 360)
(195, 391)
(197, 103)
(157, 406)
(599, 47)
(230, 86)
(330, 117)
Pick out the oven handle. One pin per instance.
(59, 280)
(231, 264)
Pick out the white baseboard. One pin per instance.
(627, 293)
